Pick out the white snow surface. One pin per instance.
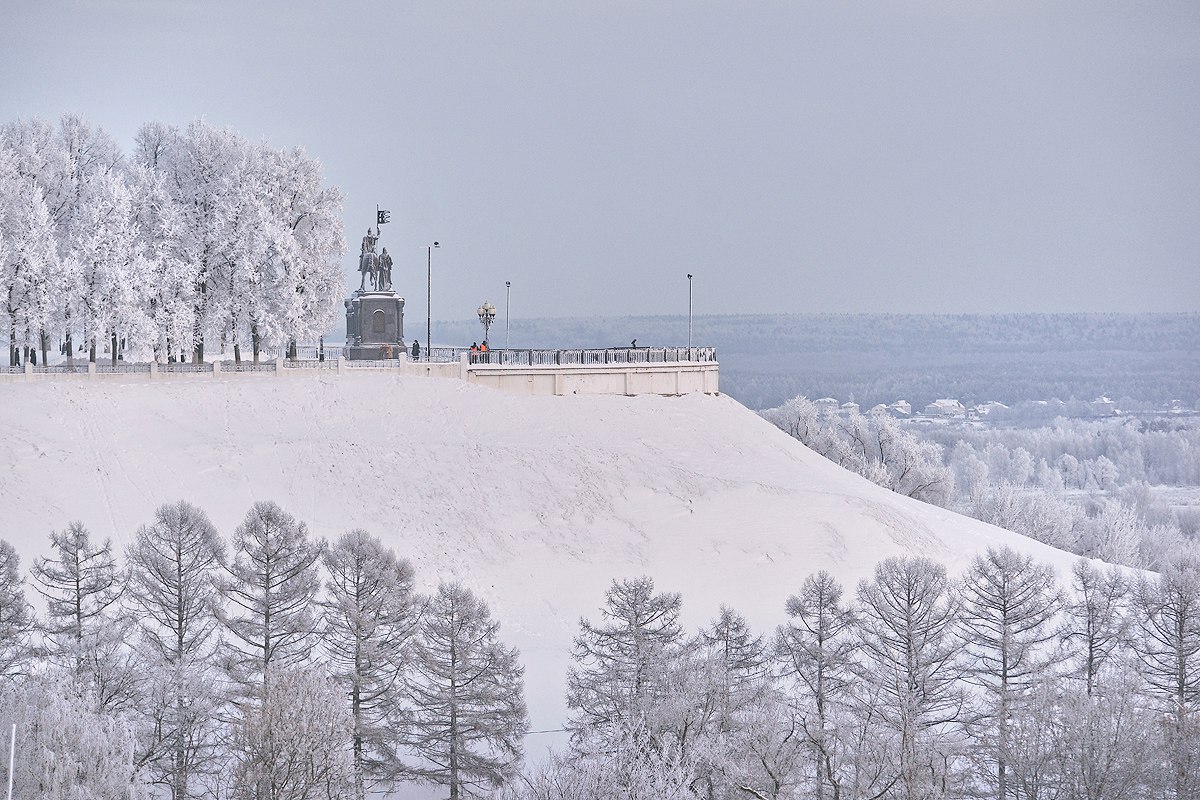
(536, 503)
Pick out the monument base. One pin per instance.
(373, 352)
(374, 325)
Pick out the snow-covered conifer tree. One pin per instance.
(625, 671)
(1008, 607)
(370, 621)
(725, 682)
(1168, 617)
(910, 647)
(469, 715)
(172, 566)
(1096, 623)
(269, 592)
(85, 633)
(16, 616)
(816, 650)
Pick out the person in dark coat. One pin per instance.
(416, 351)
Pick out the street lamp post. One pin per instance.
(487, 315)
(507, 305)
(428, 295)
(689, 311)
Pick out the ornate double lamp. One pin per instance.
(487, 315)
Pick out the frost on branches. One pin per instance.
(198, 236)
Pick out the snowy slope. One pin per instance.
(537, 503)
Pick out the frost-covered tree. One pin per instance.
(172, 565)
(28, 261)
(816, 649)
(16, 615)
(371, 615)
(1168, 617)
(723, 690)
(625, 671)
(1106, 742)
(294, 745)
(1008, 606)
(65, 748)
(269, 594)
(203, 168)
(299, 258)
(85, 632)
(910, 646)
(890, 456)
(468, 696)
(112, 288)
(873, 445)
(254, 230)
(1096, 623)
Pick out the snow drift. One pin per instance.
(536, 503)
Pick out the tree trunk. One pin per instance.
(43, 337)
(92, 350)
(255, 342)
(114, 348)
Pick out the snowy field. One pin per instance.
(535, 503)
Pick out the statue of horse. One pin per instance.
(368, 264)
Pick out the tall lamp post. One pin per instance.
(487, 315)
(507, 305)
(428, 295)
(689, 311)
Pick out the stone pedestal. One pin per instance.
(374, 325)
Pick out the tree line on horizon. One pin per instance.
(197, 235)
(293, 669)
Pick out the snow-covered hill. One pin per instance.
(537, 503)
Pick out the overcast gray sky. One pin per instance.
(963, 156)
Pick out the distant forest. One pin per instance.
(1142, 361)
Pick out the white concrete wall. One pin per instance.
(672, 378)
(666, 379)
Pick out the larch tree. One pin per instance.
(816, 651)
(625, 675)
(1096, 619)
(724, 688)
(1168, 617)
(269, 591)
(1008, 607)
(16, 615)
(87, 635)
(468, 705)
(173, 564)
(909, 648)
(370, 620)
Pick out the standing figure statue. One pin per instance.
(383, 272)
(367, 261)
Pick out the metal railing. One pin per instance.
(183, 367)
(63, 369)
(247, 366)
(594, 357)
(438, 355)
